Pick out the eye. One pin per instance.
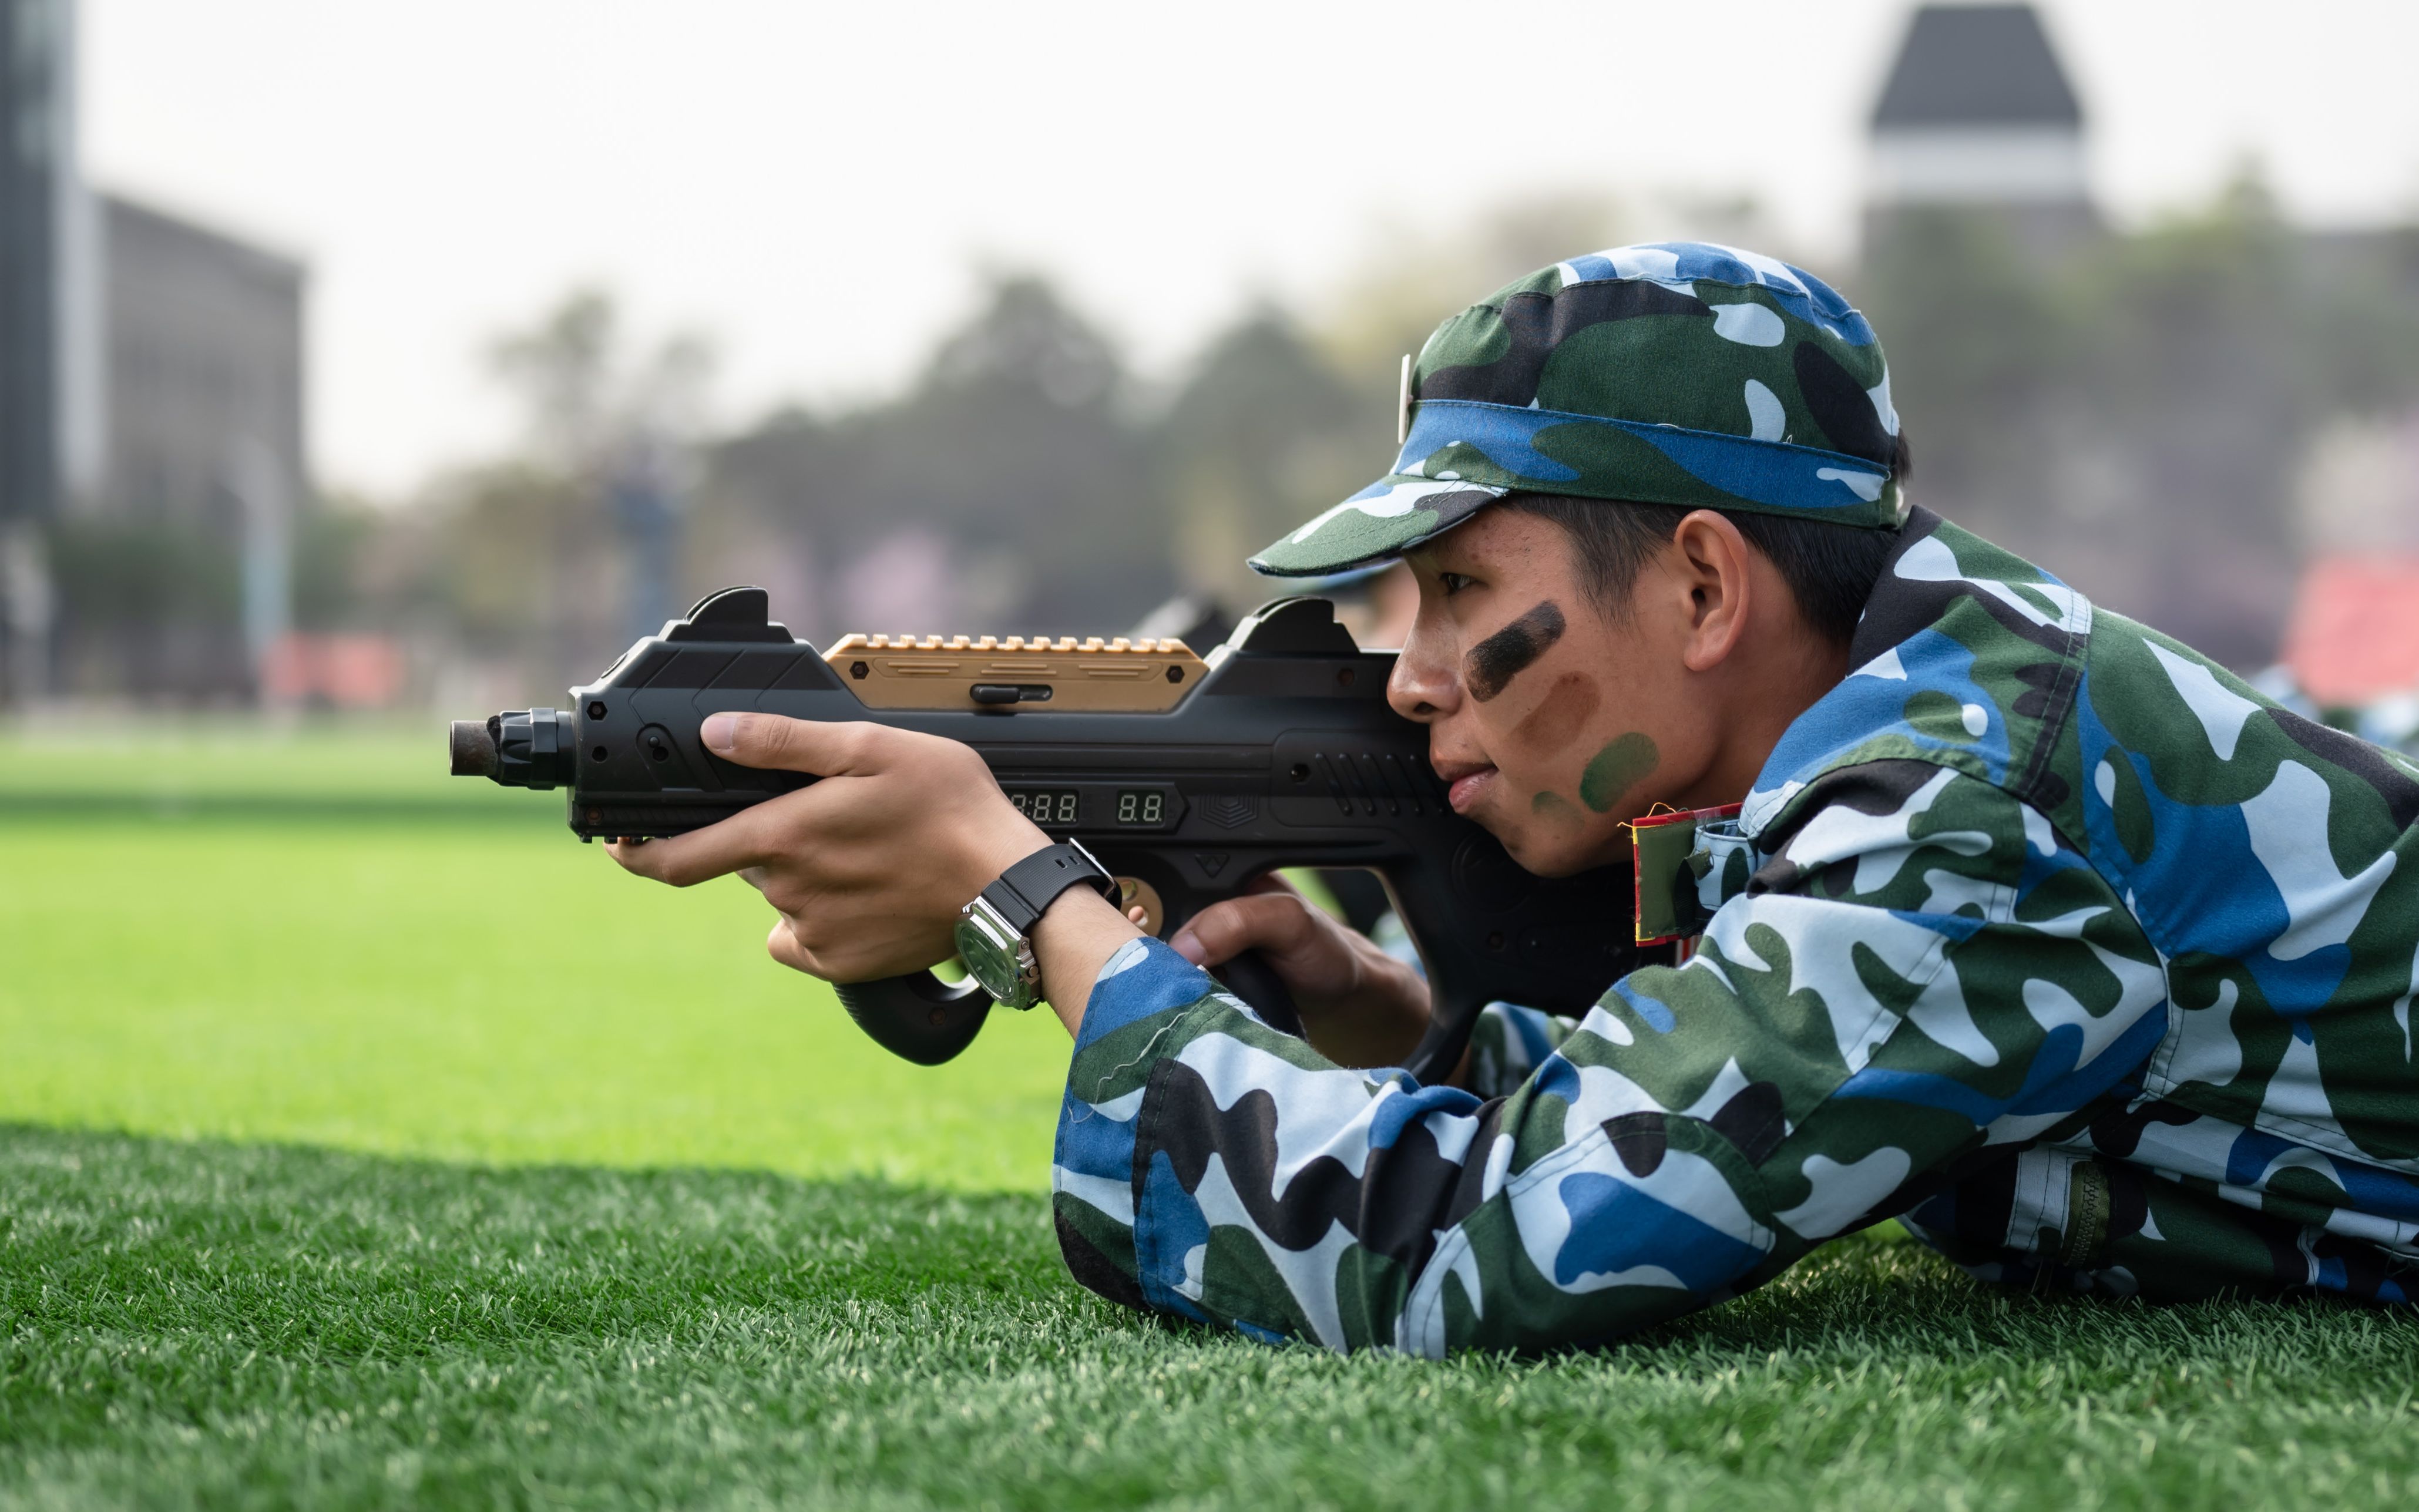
(1454, 582)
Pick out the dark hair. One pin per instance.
(1830, 568)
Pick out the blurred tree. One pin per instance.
(1018, 448)
(562, 367)
(536, 560)
(2135, 415)
(331, 544)
(525, 571)
(752, 518)
(583, 394)
(1007, 490)
(149, 609)
(1261, 437)
(2205, 359)
(1979, 341)
(1388, 304)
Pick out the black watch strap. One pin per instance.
(1025, 890)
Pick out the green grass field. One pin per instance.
(365, 1141)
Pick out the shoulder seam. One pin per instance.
(2060, 698)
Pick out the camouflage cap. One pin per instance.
(1674, 373)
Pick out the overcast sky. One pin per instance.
(816, 184)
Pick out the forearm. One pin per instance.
(1075, 939)
(1359, 1006)
(1209, 1166)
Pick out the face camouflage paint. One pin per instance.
(1554, 807)
(1501, 657)
(1616, 769)
(1559, 716)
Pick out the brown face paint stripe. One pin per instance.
(1501, 657)
(1560, 715)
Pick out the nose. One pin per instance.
(1424, 685)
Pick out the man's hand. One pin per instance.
(867, 868)
(1360, 1006)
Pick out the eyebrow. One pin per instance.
(1503, 656)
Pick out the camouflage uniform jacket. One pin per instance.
(2061, 943)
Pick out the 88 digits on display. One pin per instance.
(1136, 808)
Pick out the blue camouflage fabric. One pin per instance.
(2060, 942)
(1676, 373)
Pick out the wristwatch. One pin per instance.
(996, 930)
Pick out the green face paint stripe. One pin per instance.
(1617, 768)
(1501, 657)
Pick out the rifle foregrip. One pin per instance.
(918, 1017)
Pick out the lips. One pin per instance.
(1467, 782)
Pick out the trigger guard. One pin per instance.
(918, 1016)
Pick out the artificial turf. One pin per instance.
(625, 1216)
(325, 940)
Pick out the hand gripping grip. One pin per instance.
(919, 1017)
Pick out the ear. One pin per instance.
(1710, 558)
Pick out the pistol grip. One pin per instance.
(918, 1017)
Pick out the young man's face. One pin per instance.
(1552, 723)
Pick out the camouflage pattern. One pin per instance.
(1676, 373)
(2060, 942)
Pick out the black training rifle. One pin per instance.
(1186, 777)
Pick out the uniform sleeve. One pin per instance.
(1508, 1044)
(1924, 974)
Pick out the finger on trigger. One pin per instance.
(1270, 882)
(733, 844)
(631, 856)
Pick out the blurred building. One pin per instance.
(1977, 115)
(202, 443)
(47, 350)
(151, 432)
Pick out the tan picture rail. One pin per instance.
(1036, 675)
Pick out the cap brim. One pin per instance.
(1377, 524)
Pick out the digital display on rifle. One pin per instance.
(1118, 808)
(1046, 808)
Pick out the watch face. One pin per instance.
(994, 956)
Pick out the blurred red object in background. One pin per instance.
(2354, 635)
(350, 671)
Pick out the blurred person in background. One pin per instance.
(2059, 942)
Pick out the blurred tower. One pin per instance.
(50, 347)
(1977, 117)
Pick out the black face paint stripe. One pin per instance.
(1503, 657)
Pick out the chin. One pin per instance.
(1541, 855)
(1556, 862)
